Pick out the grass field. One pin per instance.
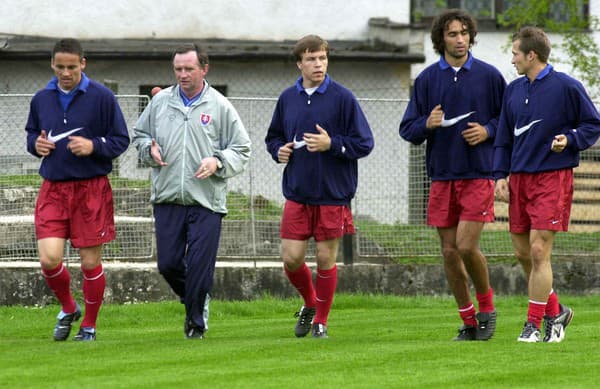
(375, 342)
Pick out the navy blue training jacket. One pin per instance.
(473, 94)
(94, 114)
(320, 178)
(533, 113)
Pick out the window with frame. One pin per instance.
(423, 11)
(486, 11)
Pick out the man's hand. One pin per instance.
(155, 153)
(80, 146)
(207, 168)
(559, 143)
(435, 117)
(285, 152)
(475, 134)
(317, 142)
(501, 190)
(42, 145)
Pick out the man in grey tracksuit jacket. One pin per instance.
(198, 144)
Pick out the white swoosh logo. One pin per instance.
(298, 144)
(453, 121)
(56, 138)
(520, 130)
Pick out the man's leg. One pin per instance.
(523, 254)
(169, 224)
(293, 254)
(540, 277)
(540, 286)
(204, 232)
(522, 251)
(171, 244)
(326, 284)
(467, 242)
(456, 275)
(94, 284)
(56, 274)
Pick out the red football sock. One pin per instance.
(552, 307)
(485, 301)
(94, 283)
(535, 313)
(301, 278)
(326, 284)
(59, 281)
(467, 314)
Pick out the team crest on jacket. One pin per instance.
(204, 119)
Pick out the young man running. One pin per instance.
(319, 131)
(547, 119)
(455, 108)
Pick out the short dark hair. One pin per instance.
(310, 43)
(533, 39)
(441, 22)
(68, 45)
(187, 47)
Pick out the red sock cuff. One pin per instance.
(92, 274)
(467, 314)
(535, 312)
(51, 273)
(327, 273)
(291, 273)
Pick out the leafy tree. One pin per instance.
(564, 17)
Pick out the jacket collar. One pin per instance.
(467, 65)
(321, 89)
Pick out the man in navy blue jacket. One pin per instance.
(547, 119)
(76, 126)
(454, 108)
(319, 131)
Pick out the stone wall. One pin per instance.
(22, 283)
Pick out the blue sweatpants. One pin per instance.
(187, 240)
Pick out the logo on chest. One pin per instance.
(205, 119)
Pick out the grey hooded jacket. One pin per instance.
(209, 127)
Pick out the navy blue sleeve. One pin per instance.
(587, 132)
(413, 127)
(32, 128)
(116, 140)
(359, 142)
(496, 94)
(503, 143)
(275, 137)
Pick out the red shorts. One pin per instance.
(323, 222)
(81, 211)
(540, 201)
(456, 200)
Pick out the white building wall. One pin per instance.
(223, 19)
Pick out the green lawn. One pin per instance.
(375, 341)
